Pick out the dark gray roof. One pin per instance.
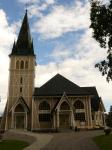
(57, 86)
(24, 44)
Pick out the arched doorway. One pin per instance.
(20, 116)
(64, 115)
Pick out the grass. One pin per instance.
(104, 142)
(12, 145)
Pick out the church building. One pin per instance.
(58, 104)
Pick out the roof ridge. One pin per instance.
(59, 75)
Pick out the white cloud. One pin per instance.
(62, 20)
(27, 1)
(6, 39)
(78, 66)
(50, 1)
(36, 1)
(60, 52)
(36, 7)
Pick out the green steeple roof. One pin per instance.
(24, 44)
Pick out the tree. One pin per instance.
(109, 118)
(101, 23)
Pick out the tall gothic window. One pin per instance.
(44, 116)
(78, 105)
(22, 64)
(44, 106)
(17, 64)
(64, 106)
(26, 65)
(21, 89)
(80, 116)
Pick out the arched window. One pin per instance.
(22, 64)
(19, 108)
(44, 106)
(26, 65)
(64, 106)
(17, 64)
(78, 105)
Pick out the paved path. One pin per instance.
(36, 141)
(41, 141)
(68, 140)
(73, 141)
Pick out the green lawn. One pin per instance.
(12, 145)
(104, 142)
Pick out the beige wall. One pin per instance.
(27, 85)
(53, 100)
(27, 77)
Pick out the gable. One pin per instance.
(21, 102)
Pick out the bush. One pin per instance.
(107, 131)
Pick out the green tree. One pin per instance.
(109, 118)
(101, 23)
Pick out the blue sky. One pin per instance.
(62, 40)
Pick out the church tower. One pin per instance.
(21, 80)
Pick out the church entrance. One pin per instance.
(64, 120)
(64, 116)
(20, 121)
(20, 116)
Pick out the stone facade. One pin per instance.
(21, 84)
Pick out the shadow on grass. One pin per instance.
(104, 142)
(13, 145)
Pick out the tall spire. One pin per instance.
(24, 44)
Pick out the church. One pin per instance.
(58, 104)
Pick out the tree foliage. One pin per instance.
(109, 118)
(101, 23)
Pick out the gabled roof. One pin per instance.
(57, 85)
(65, 98)
(22, 102)
(24, 44)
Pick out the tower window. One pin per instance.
(17, 65)
(26, 65)
(21, 89)
(22, 64)
(21, 80)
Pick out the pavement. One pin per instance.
(66, 140)
(73, 141)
